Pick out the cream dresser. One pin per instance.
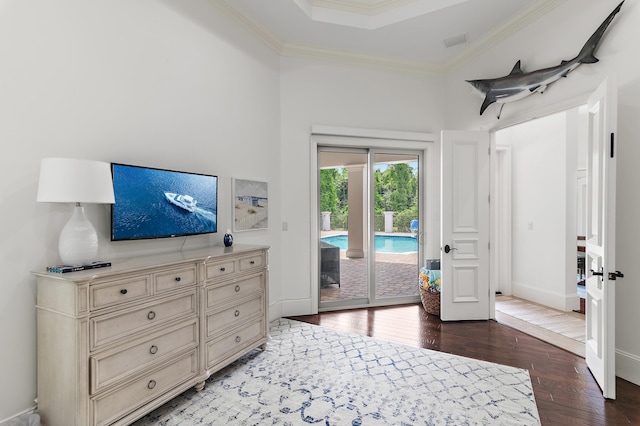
(115, 343)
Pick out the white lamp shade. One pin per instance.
(70, 180)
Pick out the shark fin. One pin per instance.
(487, 101)
(589, 59)
(516, 69)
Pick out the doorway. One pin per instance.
(540, 217)
(370, 237)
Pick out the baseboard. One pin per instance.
(275, 312)
(297, 307)
(628, 366)
(559, 301)
(16, 419)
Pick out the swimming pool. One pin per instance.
(383, 243)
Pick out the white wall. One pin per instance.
(560, 35)
(158, 83)
(543, 206)
(346, 96)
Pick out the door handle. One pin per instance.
(447, 248)
(614, 275)
(611, 275)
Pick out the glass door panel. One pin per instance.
(343, 205)
(370, 235)
(396, 226)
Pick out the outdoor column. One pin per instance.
(388, 221)
(356, 218)
(326, 221)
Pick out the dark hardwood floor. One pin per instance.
(565, 391)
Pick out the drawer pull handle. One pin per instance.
(153, 350)
(237, 313)
(237, 288)
(178, 279)
(253, 262)
(151, 315)
(222, 269)
(123, 291)
(238, 339)
(151, 384)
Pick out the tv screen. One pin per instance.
(158, 203)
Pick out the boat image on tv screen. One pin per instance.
(159, 203)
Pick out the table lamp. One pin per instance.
(68, 180)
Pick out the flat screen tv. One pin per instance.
(159, 203)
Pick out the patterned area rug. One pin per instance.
(315, 375)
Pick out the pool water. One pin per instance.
(383, 243)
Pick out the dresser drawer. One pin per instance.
(112, 366)
(175, 278)
(112, 293)
(234, 316)
(110, 406)
(109, 328)
(220, 270)
(220, 349)
(248, 263)
(234, 290)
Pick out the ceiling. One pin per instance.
(416, 35)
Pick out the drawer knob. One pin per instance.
(151, 315)
(151, 384)
(123, 291)
(237, 313)
(222, 269)
(238, 339)
(253, 262)
(153, 350)
(178, 279)
(237, 288)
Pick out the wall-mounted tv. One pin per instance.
(160, 203)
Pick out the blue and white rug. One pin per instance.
(315, 375)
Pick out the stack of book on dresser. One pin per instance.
(61, 269)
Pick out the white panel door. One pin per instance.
(465, 226)
(600, 238)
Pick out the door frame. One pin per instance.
(333, 136)
(501, 220)
(495, 238)
(575, 118)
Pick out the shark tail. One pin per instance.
(586, 55)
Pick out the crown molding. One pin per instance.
(502, 32)
(353, 58)
(370, 14)
(261, 32)
(498, 34)
(363, 7)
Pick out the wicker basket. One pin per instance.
(430, 300)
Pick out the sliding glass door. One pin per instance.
(396, 225)
(370, 239)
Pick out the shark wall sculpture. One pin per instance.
(518, 84)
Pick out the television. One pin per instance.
(160, 203)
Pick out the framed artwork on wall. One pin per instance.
(250, 205)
